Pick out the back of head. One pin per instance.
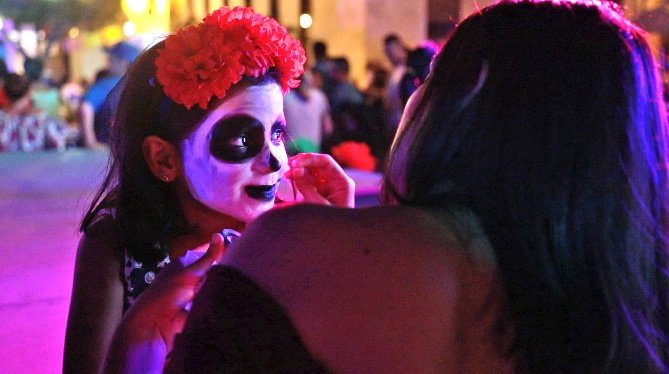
(546, 119)
(16, 86)
(320, 50)
(340, 66)
(391, 38)
(418, 62)
(124, 51)
(121, 54)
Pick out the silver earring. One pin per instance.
(166, 178)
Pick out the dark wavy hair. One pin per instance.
(147, 210)
(546, 119)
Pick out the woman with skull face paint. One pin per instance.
(197, 147)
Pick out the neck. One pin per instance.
(205, 221)
(201, 236)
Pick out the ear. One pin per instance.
(162, 158)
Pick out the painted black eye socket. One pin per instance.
(236, 139)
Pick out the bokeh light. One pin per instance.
(306, 21)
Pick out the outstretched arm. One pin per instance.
(147, 331)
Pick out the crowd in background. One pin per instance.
(38, 114)
(327, 113)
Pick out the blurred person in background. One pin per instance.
(94, 115)
(4, 72)
(343, 91)
(375, 102)
(396, 52)
(308, 117)
(24, 127)
(417, 69)
(322, 66)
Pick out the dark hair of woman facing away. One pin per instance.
(546, 119)
(147, 210)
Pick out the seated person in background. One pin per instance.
(525, 226)
(94, 116)
(307, 116)
(22, 126)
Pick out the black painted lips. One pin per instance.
(263, 193)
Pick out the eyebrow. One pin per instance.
(279, 123)
(234, 116)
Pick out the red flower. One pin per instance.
(355, 155)
(204, 60)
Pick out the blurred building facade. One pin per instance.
(351, 28)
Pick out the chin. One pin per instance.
(251, 213)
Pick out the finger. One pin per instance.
(305, 185)
(321, 168)
(314, 160)
(325, 167)
(213, 254)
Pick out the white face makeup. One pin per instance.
(234, 160)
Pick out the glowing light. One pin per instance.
(161, 6)
(306, 21)
(28, 41)
(73, 33)
(129, 28)
(111, 34)
(14, 36)
(136, 6)
(2, 23)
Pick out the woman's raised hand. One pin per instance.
(147, 331)
(321, 180)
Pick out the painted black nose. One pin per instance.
(274, 163)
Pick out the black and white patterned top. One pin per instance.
(138, 276)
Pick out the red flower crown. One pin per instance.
(205, 60)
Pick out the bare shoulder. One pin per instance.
(100, 242)
(369, 285)
(323, 234)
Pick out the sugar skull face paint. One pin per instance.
(234, 160)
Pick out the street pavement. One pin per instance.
(42, 197)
